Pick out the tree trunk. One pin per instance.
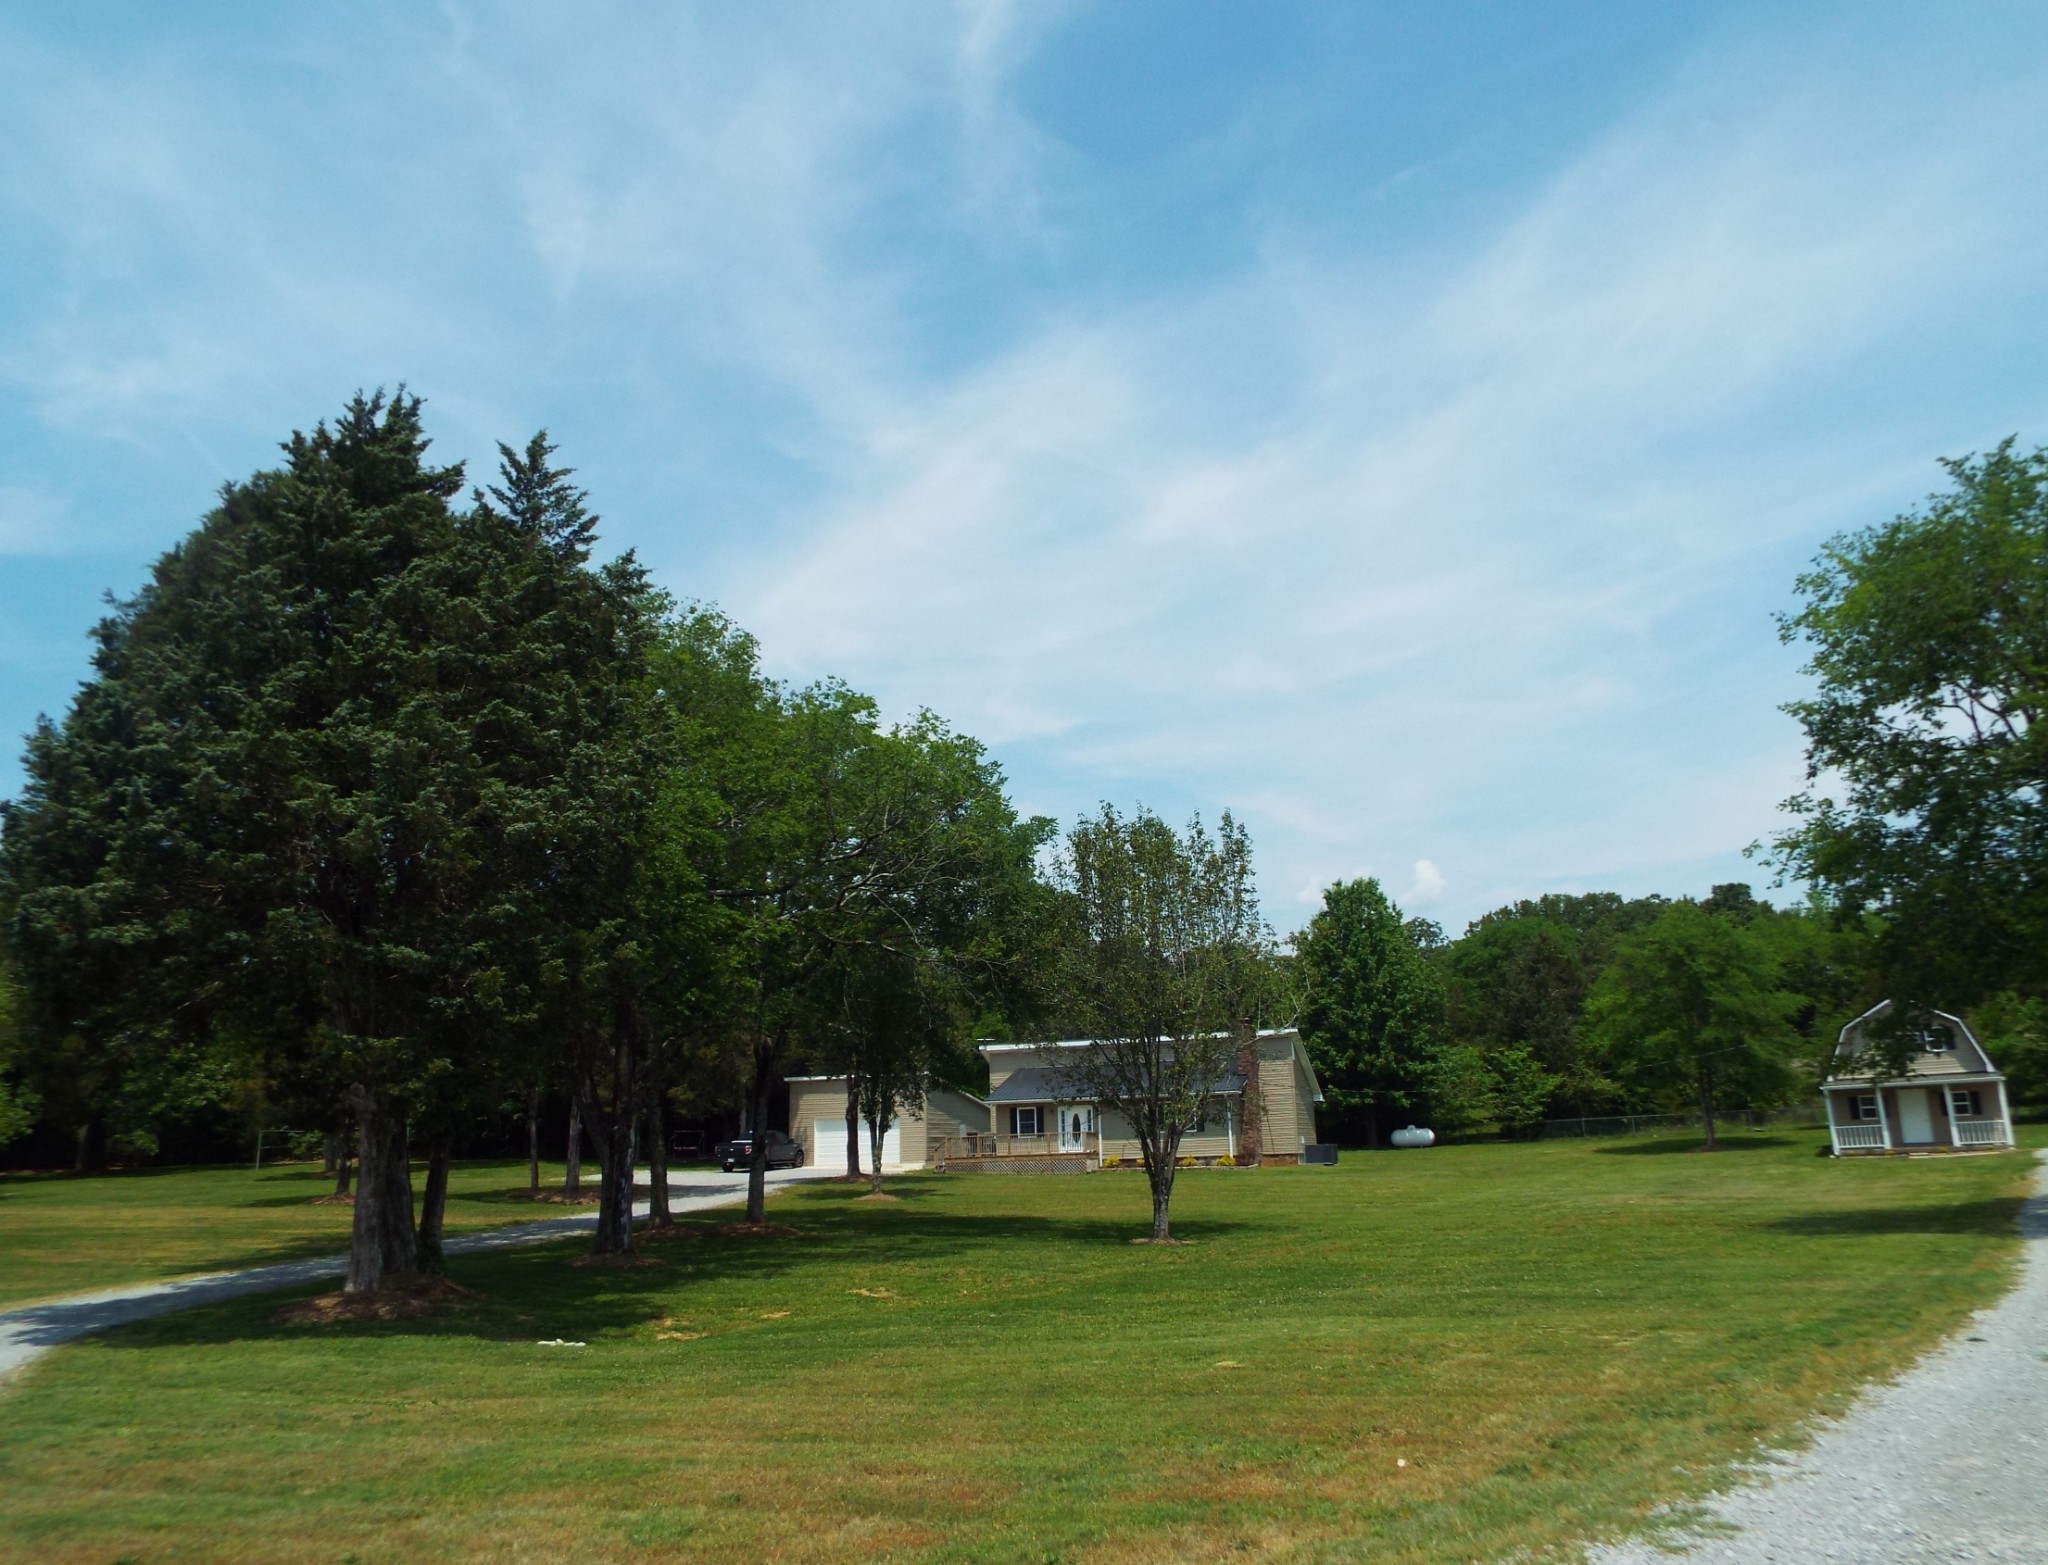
(533, 1142)
(1707, 1109)
(330, 1153)
(658, 1214)
(1160, 1170)
(572, 1179)
(1251, 1135)
(757, 1168)
(433, 1206)
(853, 1125)
(877, 1129)
(341, 1169)
(84, 1136)
(614, 1234)
(616, 1133)
(381, 1237)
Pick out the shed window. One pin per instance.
(1864, 1105)
(1024, 1122)
(1965, 1102)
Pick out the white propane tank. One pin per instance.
(1411, 1137)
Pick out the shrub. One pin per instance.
(1186, 1161)
(1226, 1161)
(1112, 1162)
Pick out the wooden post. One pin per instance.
(2004, 1112)
(1884, 1124)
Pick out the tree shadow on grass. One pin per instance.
(1734, 1141)
(1993, 1218)
(532, 1293)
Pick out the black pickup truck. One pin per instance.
(738, 1153)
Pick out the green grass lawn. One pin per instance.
(62, 1234)
(1555, 1339)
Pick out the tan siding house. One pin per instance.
(1034, 1112)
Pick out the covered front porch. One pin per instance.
(1959, 1114)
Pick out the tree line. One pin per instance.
(389, 811)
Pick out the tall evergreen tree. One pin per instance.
(1372, 1005)
(315, 797)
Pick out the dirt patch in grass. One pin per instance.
(558, 1197)
(878, 1195)
(334, 1198)
(404, 1296)
(1165, 1242)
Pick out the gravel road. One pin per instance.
(1945, 1466)
(31, 1331)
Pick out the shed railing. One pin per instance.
(1981, 1133)
(1853, 1137)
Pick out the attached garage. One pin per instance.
(817, 1118)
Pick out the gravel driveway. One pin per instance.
(31, 1331)
(1948, 1464)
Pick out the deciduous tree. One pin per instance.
(1928, 640)
(1163, 947)
(1692, 1006)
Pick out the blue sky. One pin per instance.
(1396, 423)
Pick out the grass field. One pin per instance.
(1554, 1339)
(62, 1234)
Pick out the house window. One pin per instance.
(1936, 1040)
(1965, 1102)
(1024, 1122)
(1864, 1105)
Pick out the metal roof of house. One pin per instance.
(1292, 1034)
(1045, 1086)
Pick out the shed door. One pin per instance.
(1916, 1120)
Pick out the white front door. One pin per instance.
(1076, 1124)
(1916, 1119)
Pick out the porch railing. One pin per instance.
(1981, 1133)
(1852, 1136)
(976, 1144)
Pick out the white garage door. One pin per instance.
(832, 1144)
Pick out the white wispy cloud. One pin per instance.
(1456, 555)
(1453, 576)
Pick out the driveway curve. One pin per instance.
(31, 1331)
(1948, 1465)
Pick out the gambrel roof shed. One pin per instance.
(1949, 1097)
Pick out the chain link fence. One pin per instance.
(1803, 1115)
